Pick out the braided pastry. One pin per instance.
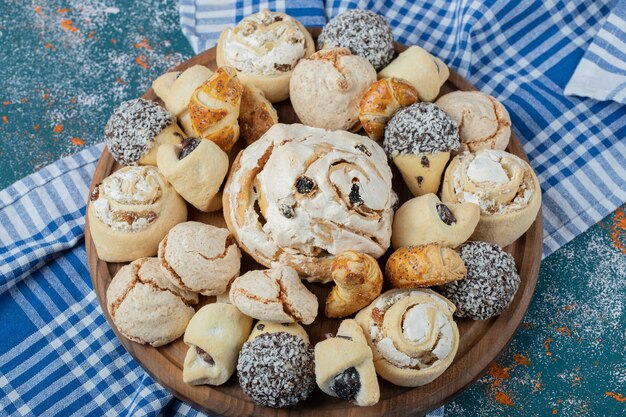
(300, 195)
(412, 335)
(503, 185)
(424, 266)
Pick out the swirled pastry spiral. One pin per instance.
(412, 335)
(503, 185)
(130, 211)
(300, 195)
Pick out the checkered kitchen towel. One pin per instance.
(58, 355)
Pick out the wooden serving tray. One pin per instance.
(481, 341)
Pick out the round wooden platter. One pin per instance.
(481, 341)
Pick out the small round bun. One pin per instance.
(365, 33)
(132, 128)
(490, 284)
(277, 369)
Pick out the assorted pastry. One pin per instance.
(313, 204)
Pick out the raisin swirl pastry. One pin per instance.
(344, 366)
(130, 211)
(301, 195)
(503, 185)
(265, 48)
(412, 335)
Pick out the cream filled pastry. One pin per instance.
(503, 185)
(264, 48)
(300, 195)
(130, 211)
(412, 334)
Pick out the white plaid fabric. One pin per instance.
(601, 74)
(58, 355)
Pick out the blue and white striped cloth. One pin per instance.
(601, 74)
(58, 355)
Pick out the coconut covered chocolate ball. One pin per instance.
(277, 369)
(365, 33)
(490, 284)
(137, 128)
(419, 139)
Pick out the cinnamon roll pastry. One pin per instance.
(176, 88)
(412, 335)
(130, 211)
(483, 121)
(300, 195)
(503, 185)
(344, 366)
(265, 48)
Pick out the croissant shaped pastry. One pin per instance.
(301, 195)
(176, 88)
(412, 335)
(214, 108)
(214, 336)
(424, 266)
(344, 366)
(503, 185)
(425, 219)
(130, 211)
(358, 280)
(381, 101)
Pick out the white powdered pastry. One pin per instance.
(496, 180)
(317, 193)
(266, 43)
(131, 186)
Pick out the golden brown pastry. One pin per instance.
(175, 89)
(412, 335)
(381, 101)
(196, 169)
(256, 114)
(358, 280)
(265, 47)
(130, 211)
(214, 108)
(344, 366)
(424, 266)
(214, 336)
(503, 185)
(420, 69)
(425, 219)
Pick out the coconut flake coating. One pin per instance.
(365, 33)
(420, 127)
(490, 284)
(129, 134)
(276, 369)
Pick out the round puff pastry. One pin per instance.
(425, 219)
(196, 169)
(214, 336)
(300, 195)
(130, 211)
(325, 89)
(483, 121)
(358, 280)
(145, 307)
(256, 114)
(422, 70)
(264, 48)
(200, 257)
(275, 295)
(424, 266)
(137, 128)
(381, 101)
(344, 366)
(503, 185)
(176, 88)
(412, 335)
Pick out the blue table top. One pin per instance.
(65, 68)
